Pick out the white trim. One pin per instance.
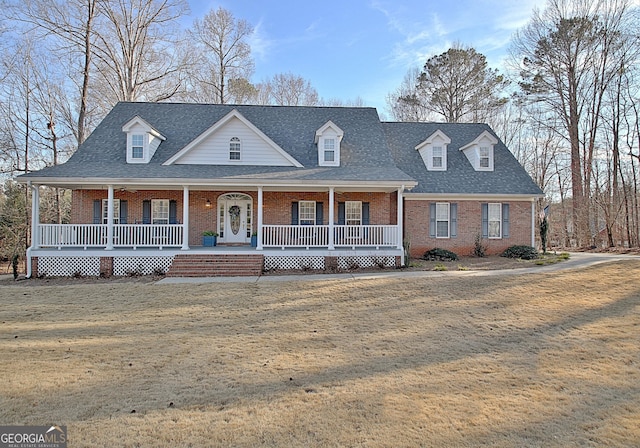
(213, 184)
(138, 120)
(331, 218)
(399, 221)
(185, 218)
(533, 224)
(233, 114)
(471, 197)
(35, 218)
(260, 218)
(109, 219)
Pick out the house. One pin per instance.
(319, 187)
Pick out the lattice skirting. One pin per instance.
(301, 263)
(90, 266)
(368, 261)
(68, 266)
(305, 263)
(141, 265)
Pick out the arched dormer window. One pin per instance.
(234, 148)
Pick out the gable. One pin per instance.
(212, 147)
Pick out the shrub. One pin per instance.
(522, 252)
(479, 249)
(439, 255)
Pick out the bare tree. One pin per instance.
(135, 49)
(225, 55)
(566, 56)
(288, 89)
(406, 103)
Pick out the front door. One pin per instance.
(235, 218)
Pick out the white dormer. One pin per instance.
(328, 139)
(480, 151)
(434, 151)
(142, 140)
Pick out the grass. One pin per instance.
(530, 360)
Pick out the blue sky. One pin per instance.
(364, 48)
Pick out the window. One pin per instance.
(485, 155)
(137, 146)
(329, 150)
(353, 213)
(234, 149)
(159, 211)
(495, 220)
(116, 211)
(307, 212)
(437, 157)
(442, 220)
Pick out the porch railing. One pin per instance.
(124, 235)
(318, 236)
(295, 236)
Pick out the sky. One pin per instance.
(364, 48)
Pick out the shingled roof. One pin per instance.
(364, 154)
(371, 151)
(507, 178)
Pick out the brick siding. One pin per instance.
(416, 228)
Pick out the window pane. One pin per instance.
(137, 146)
(329, 156)
(495, 220)
(484, 157)
(307, 212)
(116, 211)
(329, 143)
(160, 211)
(442, 220)
(234, 149)
(353, 213)
(437, 157)
(442, 229)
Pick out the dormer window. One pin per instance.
(436, 159)
(137, 146)
(485, 157)
(142, 140)
(480, 151)
(434, 151)
(329, 149)
(234, 149)
(328, 139)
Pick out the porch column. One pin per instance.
(331, 219)
(110, 219)
(259, 229)
(35, 216)
(185, 218)
(533, 223)
(399, 220)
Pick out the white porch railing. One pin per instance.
(295, 236)
(371, 236)
(124, 235)
(318, 236)
(147, 235)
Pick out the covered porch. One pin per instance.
(298, 245)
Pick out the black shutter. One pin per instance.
(123, 211)
(173, 212)
(146, 211)
(319, 217)
(432, 220)
(453, 211)
(505, 221)
(485, 220)
(97, 211)
(341, 214)
(294, 213)
(365, 213)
